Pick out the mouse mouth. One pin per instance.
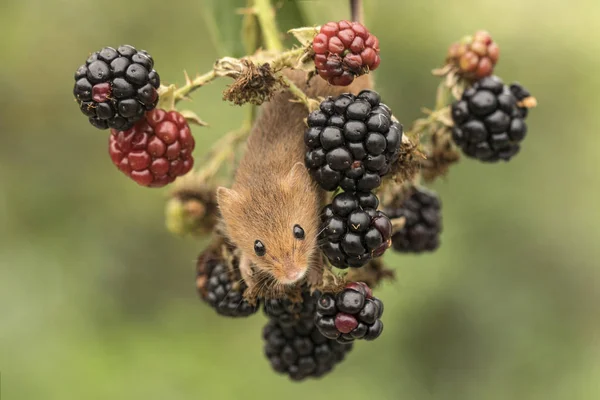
(291, 273)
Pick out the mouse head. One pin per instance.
(275, 224)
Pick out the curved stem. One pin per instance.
(266, 16)
(194, 84)
(299, 94)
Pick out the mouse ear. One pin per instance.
(297, 174)
(227, 197)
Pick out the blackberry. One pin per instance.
(156, 150)
(353, 231)
(489, 122)
(219, 284)
(423, 221)
(475, 57)
(114, 88)
(287, 312)
(300, 350)
(351, 142)
(351, 314)
(344, 50)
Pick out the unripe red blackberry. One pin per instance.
(489, 120)
(288, 312)
(351, 314)
(220, 285)
(344, 50)
(351, 142)
(353, 231)
(114, 88)
(300, 351)
(474, 57)
(156, 150)
(421, 209)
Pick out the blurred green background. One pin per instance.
(98, 300)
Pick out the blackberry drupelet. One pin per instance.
(156, 150)
(351, 142)
(489, 122)
(423, 221)
(287, 312)
(114, 88)
(353, 231)
(220, 285)
(351, 314)
(300, 350)
(344, 50)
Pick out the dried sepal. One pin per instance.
(373, 274)
(441, 154)
(253, 84)
(408, 164)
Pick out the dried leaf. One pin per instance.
(305, 35)
(192, 117)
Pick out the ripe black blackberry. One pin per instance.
(421, 231)
(489, 122)
(114, 88)
(300, 350)
(353, 231)
(351, 142)
(351, 314)
(220, 285)
(287, 312)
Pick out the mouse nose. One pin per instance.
(293, 272)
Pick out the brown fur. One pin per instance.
(273, 191)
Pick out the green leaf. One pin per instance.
(224, 23)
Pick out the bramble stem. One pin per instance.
(311, 104)
(194, 84)
(266, 16)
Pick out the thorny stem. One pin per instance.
(266, 16)
(311, 104)
(194, 84)
(286, 59)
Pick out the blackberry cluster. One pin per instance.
(300, 350)
(114, 88)
(156, 150)
(353, 231)
(489, 123)
(287, 312)
(221, 287)
(351, 314)
(344, 50)
(475, 57)
(352, 142)
(421, 231)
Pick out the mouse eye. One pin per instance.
(259, 248)
(298, 232)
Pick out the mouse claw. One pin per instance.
(315, 275)
(247, 273)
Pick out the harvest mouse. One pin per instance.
(271, 212)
